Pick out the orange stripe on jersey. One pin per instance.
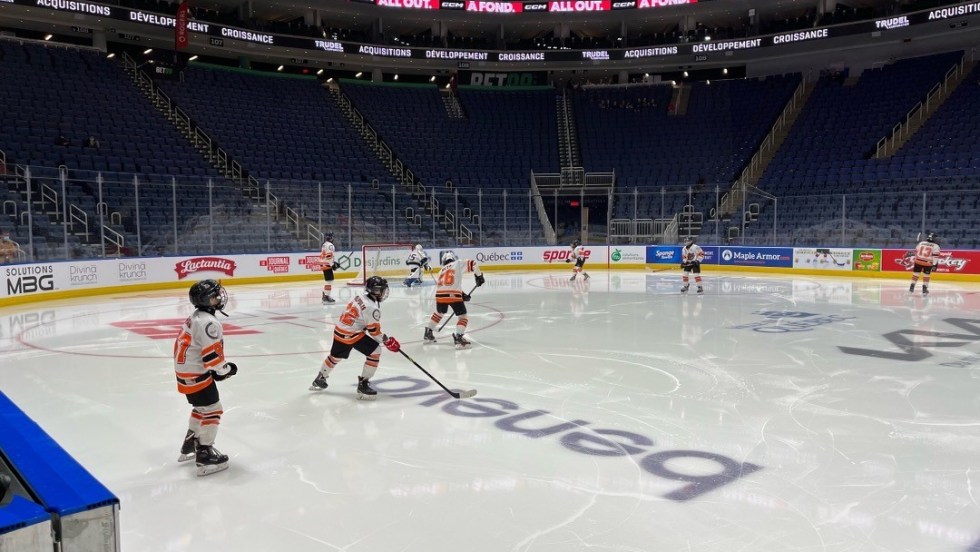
(470, 265)
(446, 297)
(346, 338)
(373, 329)
(213, 355)
(188, 383)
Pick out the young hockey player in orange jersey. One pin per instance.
(450, 294)
(199, 361)
(926, 257)
(359, 328)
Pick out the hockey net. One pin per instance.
(383, 259)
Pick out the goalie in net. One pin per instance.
(386, 260)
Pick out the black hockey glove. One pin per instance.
(568, 260)
(466, 296)
(480, 280)
(335, 266)
(229, 369)
(685, 265)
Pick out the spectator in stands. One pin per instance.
(8, 249)
(61, 141)
(92, 142)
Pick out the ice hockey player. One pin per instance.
(328, 265)
(359, 328)
(199, 361)
(926, 257)
(691, 257)
(418, 260)
(450, 294)
(577, 255)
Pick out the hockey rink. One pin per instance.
(773, 413)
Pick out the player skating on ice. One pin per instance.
(418, 260)
(449, 294)
(691, 257)
(925, 257)
(359, 328)
(328, 265)
(578, 256)
(199, 361)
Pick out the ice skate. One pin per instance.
(364, 390)
(572, 279)
(685, 288)
(586, 274)
(461, 342)
(327, 299)
(188, 449)
(428, 337)
(319, 384)
(700, 289)
(209, 460)
(911, 288)
(925, 290)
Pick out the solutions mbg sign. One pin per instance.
(27, 279)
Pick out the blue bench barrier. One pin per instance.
(81, 513)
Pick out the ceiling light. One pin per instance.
(432, 78)
(396, 77)
(281, 67)
(147, 51)
(110, 56)
(685, 73)
(724, 71)
(48, 37)
(320, 72)
(192, 58)
(358, 75)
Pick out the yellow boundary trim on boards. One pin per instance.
(719, 269)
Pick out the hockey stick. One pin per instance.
(454, 312)
(831, 255)
(456, 395)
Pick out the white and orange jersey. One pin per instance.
(578, 252)
(199, 348)
(926, 253)
(449, 285)
(692, 253)
(326, 255)
(361, 315)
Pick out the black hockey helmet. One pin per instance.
(328, 236)
(689, 240)
(209, 295)
(576, 243)
(932, 237)
(376, 288)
